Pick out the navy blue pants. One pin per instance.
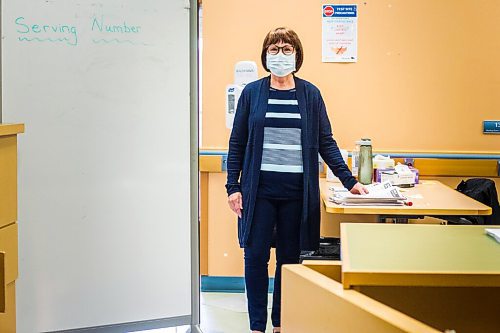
(285, 215)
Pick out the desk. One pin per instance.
(429, 198)
(313, 301)
(398, 278)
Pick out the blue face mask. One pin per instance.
(280, 64)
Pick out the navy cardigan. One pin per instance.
(245, 155)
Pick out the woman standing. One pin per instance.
(279, 128)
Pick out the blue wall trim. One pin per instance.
(227, 284)
(212, 152)
(397, 155)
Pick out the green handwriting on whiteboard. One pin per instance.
(54, 33)
(98, 25)
(103, 32)
(113, 33)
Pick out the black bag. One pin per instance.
(329, 249)
(484, 191)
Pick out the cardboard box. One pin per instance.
(395, 178)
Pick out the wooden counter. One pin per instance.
(315, 302)
(398, 278)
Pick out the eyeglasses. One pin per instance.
(274, 49)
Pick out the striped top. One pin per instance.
(281, 174)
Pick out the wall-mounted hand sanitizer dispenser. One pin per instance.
(244, 73)
(233, 93)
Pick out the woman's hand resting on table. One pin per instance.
(235, 202)
(359, 189)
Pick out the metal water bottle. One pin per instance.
(365, 171)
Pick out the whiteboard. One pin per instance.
(104, 165)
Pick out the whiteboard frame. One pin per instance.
(195, 172)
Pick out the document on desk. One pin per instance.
(494, 233)
(380, 194)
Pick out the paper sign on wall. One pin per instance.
(340, 33)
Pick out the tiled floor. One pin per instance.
(227, 313)
(221, 313)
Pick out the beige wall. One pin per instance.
(428, 70)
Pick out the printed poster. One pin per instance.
(340, 33)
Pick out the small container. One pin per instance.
(355, 159)
(365, 171)
(381, 162)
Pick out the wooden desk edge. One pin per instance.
(363, 302)
(420, 279)
(380, 210)
(11, 129)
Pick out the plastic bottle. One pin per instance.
(355, 159)
(365, 171)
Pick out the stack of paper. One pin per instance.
(382, 194)
(495, 233)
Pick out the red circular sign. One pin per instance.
(328, 11)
